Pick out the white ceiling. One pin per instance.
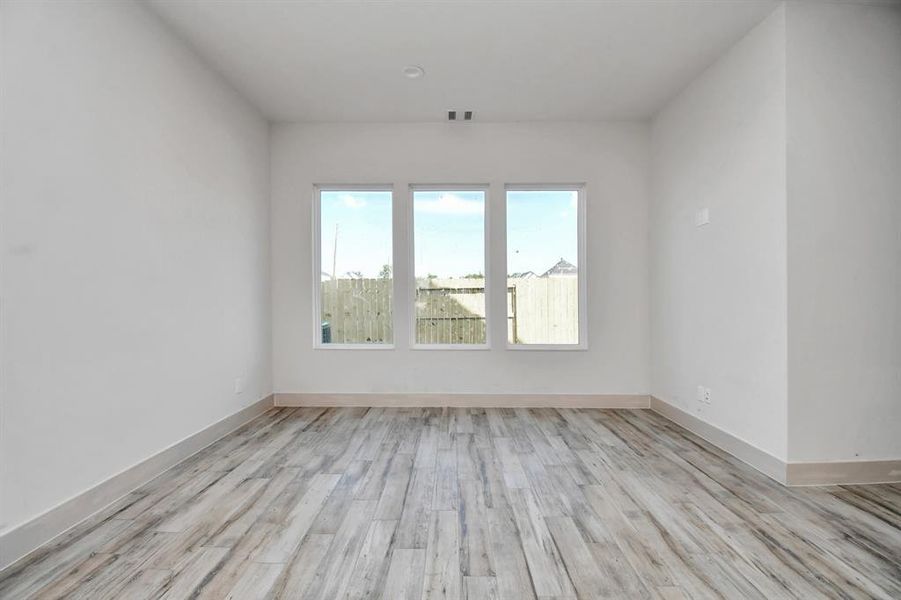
(505, 60)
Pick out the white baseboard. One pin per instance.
(788, 473)
(18, 543)
(761, 460)
(844, 472)
(467, 400)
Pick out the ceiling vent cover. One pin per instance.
(452, 115)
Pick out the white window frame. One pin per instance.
(582, 249)
(411, 249)
(317, 266)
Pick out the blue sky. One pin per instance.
(364, 231)
(449, 231)
(542, 228)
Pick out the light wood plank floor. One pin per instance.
(473, 503)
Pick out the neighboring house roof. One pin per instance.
(523, 275)
(562, 268)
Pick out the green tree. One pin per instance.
(385, 273)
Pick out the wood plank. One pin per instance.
(589, 581)
(514, 475)
(283, 545)
(545, 563)
(443, 579)
(413, 531)
(110, 581)
(405, 574)
(193, 577)
(337, 566)
(146, 585)
(368, 578)
(256, 581)
(391, 501)
(511, 569)
(475, 544)
(335, 510)
(480, 588)
(299, 574)
(51, 566)
(446, 492)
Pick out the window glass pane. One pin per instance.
(542, 267)
(449, 264)
(356, 281)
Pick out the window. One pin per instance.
(449, 268)
(545, 267)
(353, 258)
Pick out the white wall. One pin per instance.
(135, 252)
(844, 231)
(611, 159)
(718, 316)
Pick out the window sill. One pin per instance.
(353, 347)
(549, 347)
(453, 347)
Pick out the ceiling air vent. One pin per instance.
(452, 115)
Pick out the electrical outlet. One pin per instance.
(702, 217)
(703, 394)
(239, 385)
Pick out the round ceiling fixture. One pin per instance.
(413, 72)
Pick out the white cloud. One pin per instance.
(451, 204)
(352, 201)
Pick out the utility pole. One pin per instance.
(335, 255)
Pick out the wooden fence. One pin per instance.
(357, 311)
(452, 311)
(546, 309)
